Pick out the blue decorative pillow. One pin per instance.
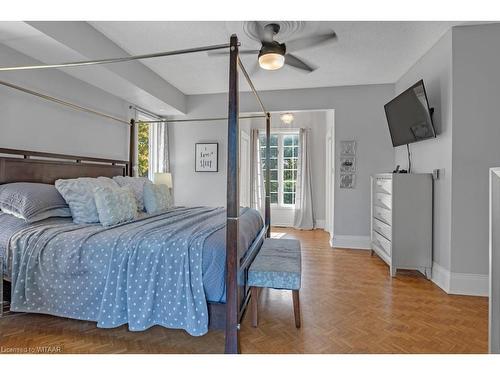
(32, 201)
(137, 185)
(115, 205)
(79, 194)
(156, 198)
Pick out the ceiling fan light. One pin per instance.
(271, 61)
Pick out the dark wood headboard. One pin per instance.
(34, 166)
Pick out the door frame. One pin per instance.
(330, 174)
(245, 185)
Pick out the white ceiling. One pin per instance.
(365, 52)
(34, 43)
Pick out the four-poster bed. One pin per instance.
(48, 167)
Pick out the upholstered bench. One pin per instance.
(277, 266)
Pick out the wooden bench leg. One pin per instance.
(254, 305)
(296, 307)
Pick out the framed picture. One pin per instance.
(347, 164)
(347, 181)
(206, 157)
(348, 148)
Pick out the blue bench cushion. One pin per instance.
(278, 265)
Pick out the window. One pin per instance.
(283, 166)
(152, 147)
(143, 149)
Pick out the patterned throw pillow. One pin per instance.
(32, 201)
(137, 185)
(156, 198)
(115, 205)
(79, 194)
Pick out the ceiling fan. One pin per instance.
(273, 54)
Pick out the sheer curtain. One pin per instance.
(258, 194)
(158, 149)
(303, 197)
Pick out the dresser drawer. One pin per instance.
(383, 185)
(382, 214)
(382, 200)
(382, 228)
(381, 242)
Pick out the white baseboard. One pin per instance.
(282, 225)
(351, 242)
(319, 224)
(468, 284)
(441, 277)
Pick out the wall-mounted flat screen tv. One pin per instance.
(409, 116)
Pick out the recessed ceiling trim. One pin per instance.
(287, 29)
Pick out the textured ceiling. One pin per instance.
(365, 52)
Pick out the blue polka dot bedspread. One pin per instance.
(157, 270)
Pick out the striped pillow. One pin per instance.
(32, 201)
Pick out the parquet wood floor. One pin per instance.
(349, 304)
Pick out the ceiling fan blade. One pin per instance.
(226, 53)
(298, 63)
(249, 52)
(309, 41)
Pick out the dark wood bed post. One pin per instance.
(267, 215)
(233, 205)
(131, 152)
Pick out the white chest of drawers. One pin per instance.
(401, 220)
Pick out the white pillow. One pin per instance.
(156, 198)
(137, 185)
(79, 194)
(115, 205)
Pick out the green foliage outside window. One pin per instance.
(143, 149)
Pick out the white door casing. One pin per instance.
(330, 175)
(244, 169)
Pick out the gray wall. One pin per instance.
(359, 115)
(435, 68)
(462, 78)
(191, 188)
(32, 123)
(476, 135)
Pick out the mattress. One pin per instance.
(213, 254)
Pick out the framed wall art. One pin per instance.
(348, 148)
(347, 181)
(347, 170)
(347, 164)
(206, 157)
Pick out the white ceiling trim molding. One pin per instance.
(139, 85)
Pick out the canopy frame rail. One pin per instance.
(198, 119)
(232, 342)
(117, 59)
(252, 87)
(267, 172)
(63, 102)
